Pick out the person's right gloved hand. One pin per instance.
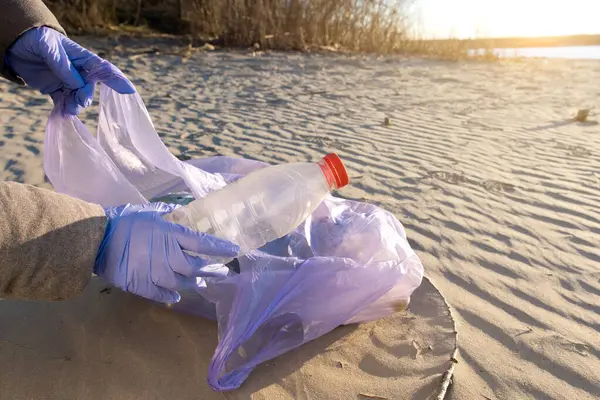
(53, 64)
(144, 254)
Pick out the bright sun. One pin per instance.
(501, 18)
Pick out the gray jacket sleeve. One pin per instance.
(16, 17)
(48, 242)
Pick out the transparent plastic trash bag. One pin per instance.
(349, 262)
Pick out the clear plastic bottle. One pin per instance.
(264, 205)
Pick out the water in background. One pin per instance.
(572, 52)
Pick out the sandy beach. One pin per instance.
(496, 185)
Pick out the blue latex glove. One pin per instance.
(53, 64)
(144, 254)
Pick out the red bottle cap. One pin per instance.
(338, 170)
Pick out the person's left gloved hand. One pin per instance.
(53, 64)
(144, 254)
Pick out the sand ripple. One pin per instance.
(498, 189)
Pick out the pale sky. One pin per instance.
(501, 18)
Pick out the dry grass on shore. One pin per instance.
(374, 26)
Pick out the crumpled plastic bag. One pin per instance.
(348, 262)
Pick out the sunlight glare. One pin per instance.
(508, 18)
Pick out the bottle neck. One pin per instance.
(328, 174)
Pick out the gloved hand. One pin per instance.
(144, 254)
(53, 64)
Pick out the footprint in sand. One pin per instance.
(454, 178)
(450, 177)
(579, 151)
(321, 141)
(575, 151)
(496, 186)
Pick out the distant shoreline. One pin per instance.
(509, 43)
